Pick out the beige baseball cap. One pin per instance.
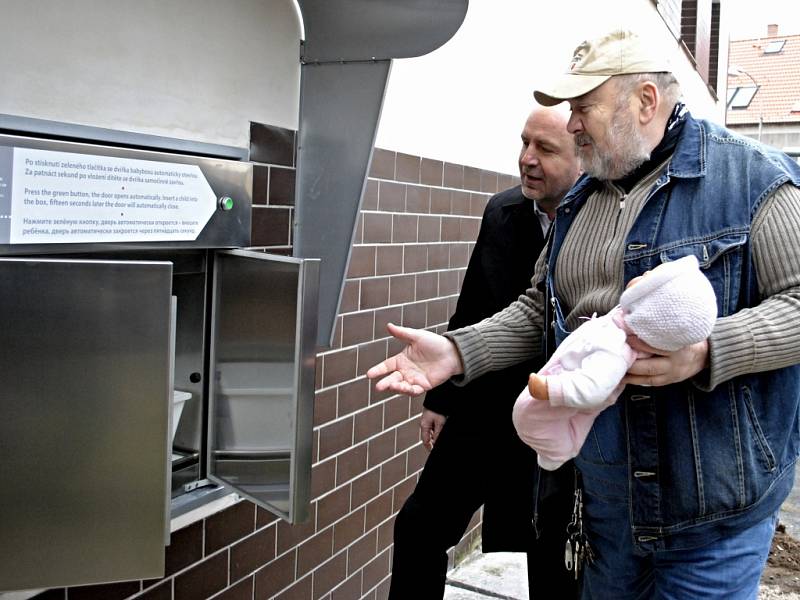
(619, 52)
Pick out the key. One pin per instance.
(569, 555)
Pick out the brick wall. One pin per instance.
(416, 231)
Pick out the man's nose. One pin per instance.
(574, 124)
(530, 158)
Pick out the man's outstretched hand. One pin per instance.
(427, 360)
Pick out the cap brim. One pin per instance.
(568, 86)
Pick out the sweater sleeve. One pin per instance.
(506, 338)
(764, 337)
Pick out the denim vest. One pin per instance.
(700, 463)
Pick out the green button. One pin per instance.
(226, 203)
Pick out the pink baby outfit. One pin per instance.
(671, 307)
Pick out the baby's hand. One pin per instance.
(537, 387)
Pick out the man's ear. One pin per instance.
(649, 100)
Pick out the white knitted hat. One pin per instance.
(672, 306)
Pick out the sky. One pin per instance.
(748, 19)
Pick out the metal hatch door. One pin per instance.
(84, 410)
(264, 318)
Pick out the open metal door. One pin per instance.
(264, 318)
(85, 401)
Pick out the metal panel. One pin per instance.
(262, 395)
(346, 62)
(377, 29)
(339, 113)
(85, 407)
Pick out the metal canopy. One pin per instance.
(345, 66)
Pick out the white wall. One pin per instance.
(192, 69)
(466, 102)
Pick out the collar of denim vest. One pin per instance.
(688, 160)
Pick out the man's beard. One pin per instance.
(626, 149)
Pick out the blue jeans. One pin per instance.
(729, 568)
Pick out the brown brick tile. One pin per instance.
(260, 183)
(275, 576)
(353, 396)
(459, 256)
(448, 284)
(438, 257)
(429, 229)
(370, 199)
(401, 289)
(382, 591)
(395, 411)
(378, 510)
(105, 591)
(391, 197)
(271, 226)
(362, 551)
(203, 580)
(252, 553)
(489, 182)
(414, 315)
(437, 312)
(349, 590)
(384, 316)
(453, 176)
(382, 166)
(507, 181)
(407, 435)
(408, 167)
(477, 204)
(402, 491)
(440, 202)
(472, 179)
(374, 294)
(389, 260)
(162, 591)
(416, 405)
(339, 366)
(323, 477)
(415, 258)
(377, 569)
(349, 529)
(300, 590)
(418, 199)
(324, 406)
(365, 487)
(224, 528)
(185, 547)
(377, 228)
(462, 203)
(330, 574)
(367, 423)
(333, 507)
(393, 471)
(351, 463)
(290, 535)
(362, 262)
(380, 448)
(264, 518)
(386, 534)
(469, 229)
(451, 229)
(335, 437)
(350, 296)
(358, 327)
(314, 551)
(431, 171)
(427, 286)
(241, 591)
(404, 228)
(281, 186)
(370, 354)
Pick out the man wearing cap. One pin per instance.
(683, 477)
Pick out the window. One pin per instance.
(774, 47)
(741, 96)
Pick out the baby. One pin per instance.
(669, 307)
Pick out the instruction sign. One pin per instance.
(52, 197)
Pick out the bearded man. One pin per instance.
(683, 477)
